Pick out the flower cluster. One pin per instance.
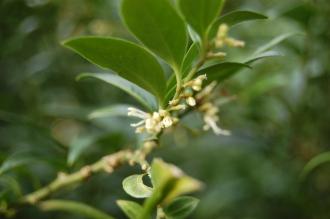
(152, 123)
(209, 110)
(192, 95)
(222, 38)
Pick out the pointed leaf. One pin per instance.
(268, 54)
(109, 111)
(73, 207)
(277, 40)
(222, 71)
(171, 178)
(129, 60)
(168, 182)
(181, 207)
(233, 18)
(141, 95)
(200, 14)
(158, 26)
(134, 186)
(162, 172)
(131, 209)
(184, 185)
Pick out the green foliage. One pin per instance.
(158, 26)
(141, 95)
(314, 163)
(200, 14)
(181, 207)
(132, 209)
(233, 18)
(223, 70)
(64, 124)
(134, 186)
(73, 207)
(129, 60)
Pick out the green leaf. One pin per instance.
(190, 59)
(268, 54)
(277, 40)
(188, 62)
(129, 60)
(73, 207)
(200, 14)
(222, 71)
(158, 26)
(233, 18)
(134, 186)
(314, 163)
(131, 209)
(141, 95)
(181, 207)
(78, 145)
(109, 111)
(17, 160)
(184, 185)
(10, 185)
(170, 178)
(168, 182)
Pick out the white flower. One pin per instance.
(167, 122)
(151, 123)
(191, 101)
(211, 122)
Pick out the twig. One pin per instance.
(108, 164)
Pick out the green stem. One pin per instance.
(178, 83)
(200, 63)
(73, 207)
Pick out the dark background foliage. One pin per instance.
(280, 120)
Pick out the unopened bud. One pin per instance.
(191, 101)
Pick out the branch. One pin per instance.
(108, 164)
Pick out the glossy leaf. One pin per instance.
(129, 60)
(181, 207)
(141, 95)
(223, 70)
(233, 18)
(277, 40)
(158, 26)
(200, 14)
(132, 209)
(73, 207)
(109, 111)
(134, 186)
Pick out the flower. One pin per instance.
(222, 38)
(209, 110)
(151, 123)
(211, 118)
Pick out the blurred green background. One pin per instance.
(280, 120)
